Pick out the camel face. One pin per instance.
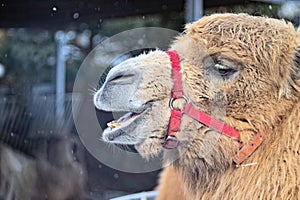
(234, 67)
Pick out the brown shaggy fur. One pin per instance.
(263, 98)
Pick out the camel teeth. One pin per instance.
(113, 124)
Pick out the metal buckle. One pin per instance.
(174, 99)
(171, 142)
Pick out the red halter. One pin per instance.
(190, 110)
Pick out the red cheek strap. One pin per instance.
(190, 110)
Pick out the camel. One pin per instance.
(242, 73)
(57, 173)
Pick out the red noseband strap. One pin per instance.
(177, 92)
(190, 110)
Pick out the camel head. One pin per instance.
(238, 68)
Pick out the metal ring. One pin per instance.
(173, 99)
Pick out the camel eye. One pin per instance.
(223, 70)
(220, 68)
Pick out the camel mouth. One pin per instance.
(128, 117)
(118, 130)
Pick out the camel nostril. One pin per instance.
(122, 79)
(110, 137)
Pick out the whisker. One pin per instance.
(92, 89)
(93, 85)
(92, 92)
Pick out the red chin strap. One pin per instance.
(190, 110)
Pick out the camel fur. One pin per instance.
(241, 69)
(267, 49)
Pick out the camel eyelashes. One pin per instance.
(103, 77)
(224, 70)
(221, 69)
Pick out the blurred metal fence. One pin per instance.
(22, 120)
(151, 195)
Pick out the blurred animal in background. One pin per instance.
(57, 173)
(233, 82)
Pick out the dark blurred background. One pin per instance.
(42, 45)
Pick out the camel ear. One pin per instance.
(296, 68)
(295, 73)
